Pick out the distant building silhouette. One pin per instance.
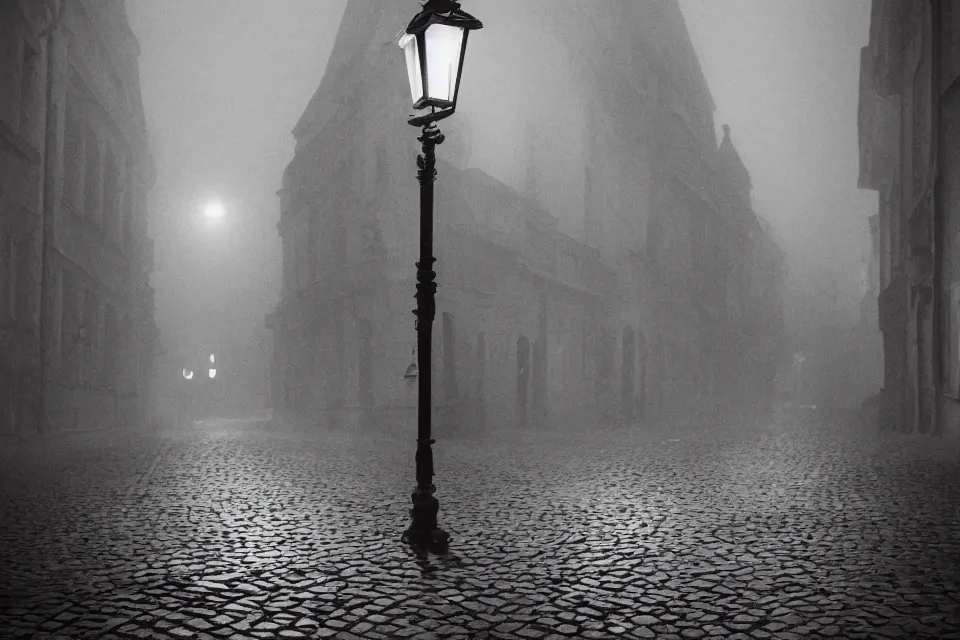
(77, 334)
(598, 255)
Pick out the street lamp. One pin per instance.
(434, 45)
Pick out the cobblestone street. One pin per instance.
(241, 529)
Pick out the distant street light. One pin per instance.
(434, 45)
(214, 211)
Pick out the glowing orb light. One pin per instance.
(214, 211)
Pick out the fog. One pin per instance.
(223, 84)
(225, 81)
(639, 396)
(785, 76)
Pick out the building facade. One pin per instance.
(909, 144)
(77, 334)
(588, 247)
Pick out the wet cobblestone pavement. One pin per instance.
(242, 530)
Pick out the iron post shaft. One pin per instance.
(423, 530)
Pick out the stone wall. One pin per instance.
(84, 312)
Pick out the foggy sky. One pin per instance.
(225, 81)
(785, 75)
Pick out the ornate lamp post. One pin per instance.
(434, 44)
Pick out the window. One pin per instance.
(72, 155)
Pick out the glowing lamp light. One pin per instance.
(214, 211)
(434, 45)
(187, 374)
(212, 373)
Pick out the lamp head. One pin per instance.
(434, 46)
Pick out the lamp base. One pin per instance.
(423, 531)
(427, 118)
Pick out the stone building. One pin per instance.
(909, 145)
(746, 315)
(588, 227)
(76, 326)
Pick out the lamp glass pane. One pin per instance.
(411, 52)
(443, 44)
